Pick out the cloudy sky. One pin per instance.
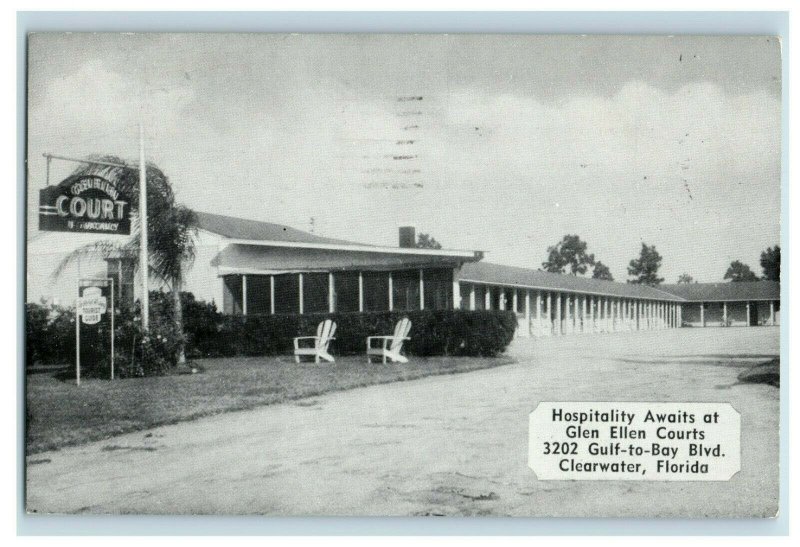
(499, 143)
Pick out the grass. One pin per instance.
(59, 413)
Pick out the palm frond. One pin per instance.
(171, 228)
(102, 249)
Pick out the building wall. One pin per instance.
(736, 314)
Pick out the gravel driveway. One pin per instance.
(444, 445)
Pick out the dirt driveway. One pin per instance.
(445, 445)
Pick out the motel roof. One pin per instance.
(258, 246)
(256, 230)
(485, 272)
(730, 291)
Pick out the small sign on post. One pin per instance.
(94, 310)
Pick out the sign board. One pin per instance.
(94, 327)
(85, 203)
(92, 305)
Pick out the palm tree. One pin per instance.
(171, 229)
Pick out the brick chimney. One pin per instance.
(408, 237)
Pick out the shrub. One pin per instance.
(50, 340)
(201, 324)
(445, 332)
(49, 334)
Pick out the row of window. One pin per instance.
(437, 291)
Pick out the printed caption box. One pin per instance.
(634, 441)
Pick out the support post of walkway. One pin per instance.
(421, 290)
(702, 314)
(300, 292)
(527, 312)
(549, 313)
(772, 313)
(244, 294)
(472, 297)
(539, 312)
(272, 294)
(331, 294)
(584, 322)
(391, 293)
(725, 313)
(558, 313)
(361, 291)
(602, 314)
(748, 315)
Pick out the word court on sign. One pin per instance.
(634, 441)
(86, 203)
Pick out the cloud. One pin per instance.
(692, 168)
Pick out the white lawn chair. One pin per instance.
(325, 332)
(391, 345)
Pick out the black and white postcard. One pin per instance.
(403, 275)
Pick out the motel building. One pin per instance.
(250, 267)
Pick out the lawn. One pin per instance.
(59, 413)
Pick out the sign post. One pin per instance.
(104, 209)
(93, 311)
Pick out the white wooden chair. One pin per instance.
(391, 345)
(325, 332)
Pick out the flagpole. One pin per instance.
(143, 254)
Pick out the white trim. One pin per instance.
(571, 291)
(300, 291)
(354, 248)
(360, 291)
(244, 295)
(272, 294)
(331, 293)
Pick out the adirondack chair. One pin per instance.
(325, 332)
(391, 345)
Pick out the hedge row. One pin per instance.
(447, 332)
(50, 333)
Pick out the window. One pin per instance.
(345, 291)
(464, 290)
(405, 288)
(376, 291)
(315, 292)
(497, 296)
(258, 294)
(232, 294)
(480, 297)
(287, 296)
(438, 289)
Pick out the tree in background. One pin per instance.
(685, 279)
(739, 271)
(601, 271)
(569, 253)
(171, 230)
(645, 268)
(425, 241)
(771, 263)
